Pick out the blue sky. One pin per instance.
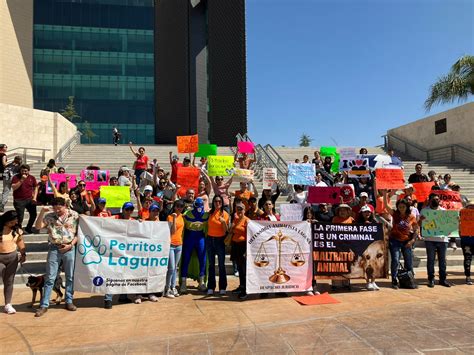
(347, 70)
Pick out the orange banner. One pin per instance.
(466, 222)
(390, 179)
(422, 190)
(187, 144)
(450, 200)
(188, 178)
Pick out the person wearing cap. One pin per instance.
(175, 164)
(100, 210)
(409, 190)
(125, 179)
(467, 246)
(195, 231)
(147, 193)
(363, 201)
(365, 215)
(238, 238)
(176, 222)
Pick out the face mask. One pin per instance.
(434, 204)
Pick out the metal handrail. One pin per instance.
(68, 146)
(24, 154)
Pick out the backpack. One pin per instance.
(406, 279)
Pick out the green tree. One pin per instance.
(458, 84)
(70, 110)
(88, 132)
(305, 140)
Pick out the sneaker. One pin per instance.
(175, 292)
(202, 287)
(242, 296)
(236, 274)
(453, 245)
(237, 291)
(183, 289)
(138, 299)
(41, 311)
(468, 281)
(309, 293)
(210, 292)
(9, 309)
(394, 285)
(108, 304)
(376, 287)
(370, 286)
(222, 292)
(153, 298)
(70, 307)
(169, 293)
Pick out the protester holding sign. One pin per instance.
(245, 162)
(437, 244)
(466, 231)
(244, 193)
(62, 190)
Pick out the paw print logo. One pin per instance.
(92, 250)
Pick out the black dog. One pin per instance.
(36, 283)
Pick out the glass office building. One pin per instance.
(102, 53)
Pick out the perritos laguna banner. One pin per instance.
(278, 257)
(121, 256)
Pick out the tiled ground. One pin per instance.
(438, 320)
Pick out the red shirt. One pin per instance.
(26, 189)
(174, 171)
(141, 163)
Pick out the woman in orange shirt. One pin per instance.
(176, 222)
(218, 225)
(238, 236)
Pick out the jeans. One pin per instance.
(396, 249)
(138, 172)
(239, 251)
(467, 253)
(173, 262)
(52, 265)
(7, 188)
(433, 248)
(20, 206)
(215, 246)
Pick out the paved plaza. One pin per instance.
(439, 320)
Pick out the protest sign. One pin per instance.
(59, 178)
(269, 177)
(450, 200)
(115, 196)
(121, 256)
(206, 149)
(422, 190)
(278, 257)
(94, 179)
(347, 153)
(440, 223)
(301, 174)
(220, 165)
(246, 147)
(330, 194)
(466, 222)
(327, 151)
(187, 144)
(335, 163)
(243, 174)
(356, 168)
(351, 251)
(292, 211)
(390, 179)
(188, 178)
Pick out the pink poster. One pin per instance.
(246, 147)
(59, 178)
(94, 179)
(330, 194)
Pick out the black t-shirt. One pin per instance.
(324, 217)
(80, 206)
(2, 167)
(417, 178)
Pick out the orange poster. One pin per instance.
(422, 190)
(466, 222)
(390, 179)
(188, 178)
(187, 144)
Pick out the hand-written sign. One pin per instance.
(349, 250)
(466, 222)
(440, 223)
(115, 196)
(301, 174)
(187, 144)
(292, 211)
(356, 168)
(450, 200)
(188, 178)
(330, 194)
(206, 149)
(347, 153)
(422, 190)
(269, 177)
(390, 179)
(246, 147)
(218, 165)
(243, 174)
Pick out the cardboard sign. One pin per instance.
(450, 200)
(242, 174)
(205, 150)
(59, 178)
(218, 165)
(187, 144)
(115, 196)
(188, 178)
(246, 147)
(301, 174)
(94, 179)
(349, 250)
(330, 194)
(392, 179)
(422, 190)
(269, 177)
(440, 223)
(466, 222)
(292, 211)
(327, 151)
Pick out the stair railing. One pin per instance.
(28, 154)
(67, 148)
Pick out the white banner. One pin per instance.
(279, 257)
(121, 256)
(292, 211)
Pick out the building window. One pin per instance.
(441, 126)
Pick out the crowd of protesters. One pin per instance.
(222, 214)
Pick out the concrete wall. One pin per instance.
(460, 129)
(16, 54)
(26, 127)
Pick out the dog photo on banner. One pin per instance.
(278, 257)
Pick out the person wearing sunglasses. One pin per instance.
(221, 189)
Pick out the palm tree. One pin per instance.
(458, 84)
(305, 140)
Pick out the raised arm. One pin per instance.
(386, 202)
(254, 188)
(171, 160)
(131, 148)
(53, 186)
